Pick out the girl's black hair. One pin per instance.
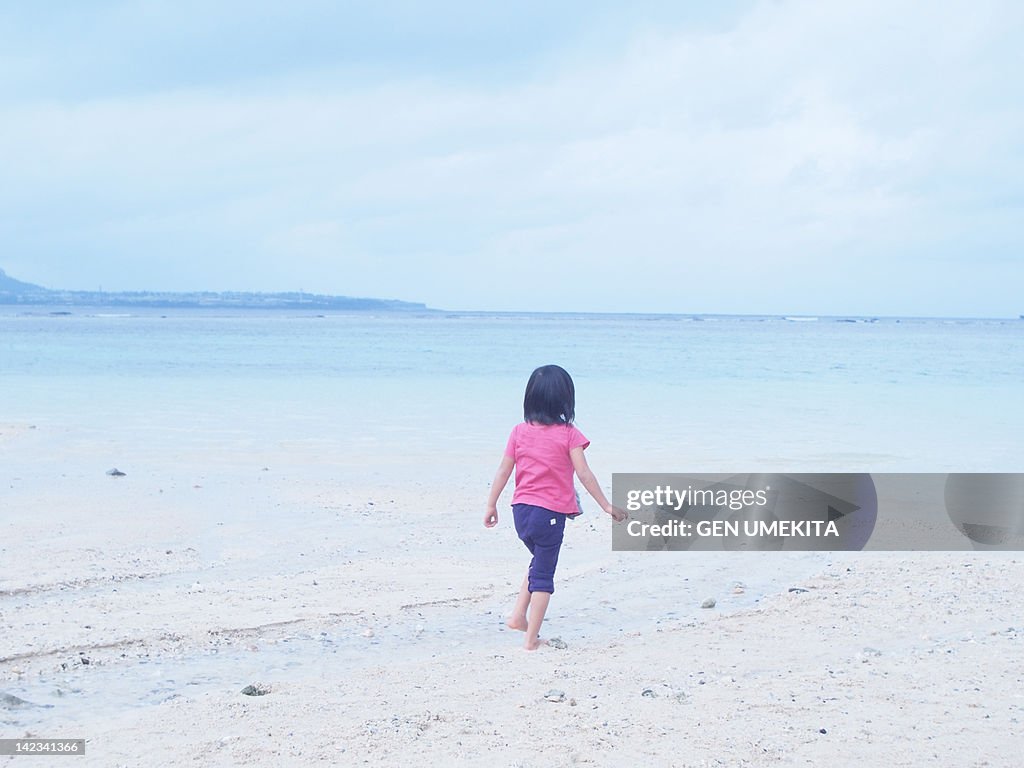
(550, 396)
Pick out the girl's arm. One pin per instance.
(500, 481)
(579, 463)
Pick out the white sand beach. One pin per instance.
(134, 610)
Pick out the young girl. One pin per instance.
(544, 449)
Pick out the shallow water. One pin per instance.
(721, 392)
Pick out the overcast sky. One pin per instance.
(751, 157)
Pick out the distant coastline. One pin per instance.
(16, 292)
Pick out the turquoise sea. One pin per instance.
(663, 393)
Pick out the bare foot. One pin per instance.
(536, 644)
(517, 622)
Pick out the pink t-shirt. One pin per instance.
(543, 467)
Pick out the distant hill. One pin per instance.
(10, 285)
(16, 292)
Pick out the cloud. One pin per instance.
(796, 157)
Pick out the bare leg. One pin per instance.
(538, 607)
(517, 620)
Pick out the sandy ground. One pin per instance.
(133, 610)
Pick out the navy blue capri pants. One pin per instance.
(541, 530)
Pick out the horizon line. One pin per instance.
(424, 307)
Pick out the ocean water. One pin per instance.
(659, 393)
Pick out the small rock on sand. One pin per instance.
(708, 603)
(557, 642)
(115, 472)
(555, 695)
(256, 689)
(8, 701)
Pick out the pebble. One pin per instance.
(367, 633)
(7, 701)
(115, 472)
(708, 603)
(256, 689)
(555, 695)
(649, 693)
(557, 642)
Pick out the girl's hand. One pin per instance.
(618, 515)
(491, 518)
